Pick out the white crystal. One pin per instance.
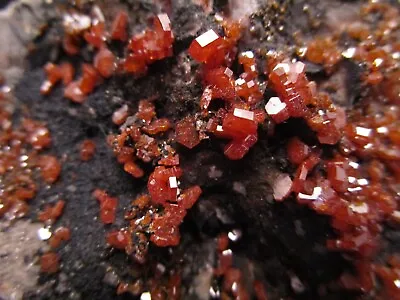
(44, 234)
(363, 131)
(145, 296)
(349, 53)
(207, 38)
(248, 54)
(284, 66)
(244, 114)
(359, 208)
(314, 196)
(240, 81)
(173, 183)
(228, 72)
(165, 22)
(274, 106)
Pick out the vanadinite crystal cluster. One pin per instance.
(338, 160)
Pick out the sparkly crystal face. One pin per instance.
(244, 114)
(164, 21)
(274, 106)
(207, 38)
(208, 48)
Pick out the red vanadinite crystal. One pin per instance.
(26, 191)
(104, 62)
(221, 82)
(70, 45)
(162, 184)
(132, 289)
(189, 197)
(78, 90)
(89, 79)
(119, 27)
(108, 206)
(302, 171)
(354, 184)
(290, 83)
(146, 111)
(259, 115)
(225, 260)
(336, 171)
(248, 61)
(391, 279)
(222, 242)
(150, 46)
(162, 26)
(134, 63)
(328, 126)
(248, 90)
(60, 235)
(37, 134)
(297, 151)
(241, 127)
(68, 72)
(54, 75)
(247, 85)
(96, 35)
(133, 169)
(295, 92)
(240, 124)
(147, 47)
(49, 263)
(74, 93)
(50, 168)
(209, 48)
(323, 51)
(374, 78)
(125, 154)
(147, 148)
(259, 290)
(232, 30)
(233, 282)
(165, 227)
(88, 149)
(118, 239)
(359, 135)
(157, 126)
(238, 148)
(391, 87)
(186, 133)
(174, 287)
(52, 213)
(169, 161)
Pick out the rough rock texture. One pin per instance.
(19, 272)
